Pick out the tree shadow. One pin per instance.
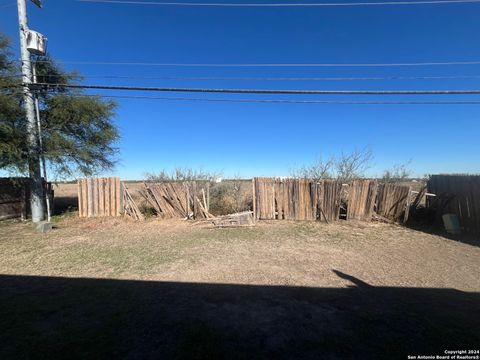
(56, 318)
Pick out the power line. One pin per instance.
(283, 101)
(219, 78)
(266, 91)
(7, 5)
(444, 63)
(231, 5)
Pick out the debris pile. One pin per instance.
(130, 207)
(244, 218)
(178, 199)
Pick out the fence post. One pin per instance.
(254, 200)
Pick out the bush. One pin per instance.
(230, 196)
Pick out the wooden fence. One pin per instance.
(328, 200)
(15, 197)
(457, 194)
(100, 197)
(299, 199)
(393, 202)
(295, 199)
(361, 199)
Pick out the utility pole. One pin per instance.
(40, 142)
(37, 197)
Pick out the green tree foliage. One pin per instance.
(78, 133)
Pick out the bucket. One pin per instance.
(451, 223)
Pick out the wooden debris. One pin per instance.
(176, 200)
(418, 198)
(130, 207)
(379, 218)
(239, 219)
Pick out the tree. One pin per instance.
(78, 133)
(184, 174)
(351, 166)
(399, 172)
(344, 167)
(319, 170)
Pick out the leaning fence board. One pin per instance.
(99, 197)
(130, 207)
(178, 199)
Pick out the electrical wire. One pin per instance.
(332, 4)
(7, 5)
(197, 78)
(284, 101)
(264, 91)
(444, 63)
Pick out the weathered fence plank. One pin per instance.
(361, 199)
(80, 197)
(328, 200)
(100, 197)
(393, 201)
(187, 199)
(296, 199)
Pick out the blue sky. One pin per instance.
(270, 139)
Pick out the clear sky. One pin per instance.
(265, 139)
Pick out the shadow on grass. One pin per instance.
(54, 318)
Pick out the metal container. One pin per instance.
(451, 223)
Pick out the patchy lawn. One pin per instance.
(171, 289)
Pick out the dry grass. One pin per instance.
(278, 290)
(277, 253)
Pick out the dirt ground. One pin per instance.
(272, 253)
(173, 289)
